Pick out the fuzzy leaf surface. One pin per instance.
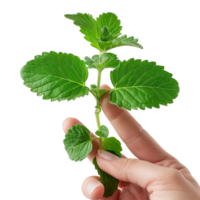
(56, 76)
(78, 142)
(117, 42)
(107, 60)
(140, 84)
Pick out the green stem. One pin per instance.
(96, 111)
(101, 143)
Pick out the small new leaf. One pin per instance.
(78, 143)
(112, 144)
(103, 132)
(108, 60)
(105, 35)
(111, 25)
(97, 93)
(122, 41)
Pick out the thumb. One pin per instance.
(139, 172)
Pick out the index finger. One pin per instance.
(140, 143)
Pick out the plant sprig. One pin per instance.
(137, 84)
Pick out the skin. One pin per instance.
(155, 175)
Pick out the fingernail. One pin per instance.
(91, 187)
(106, 155)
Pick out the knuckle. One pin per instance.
(128, 165)
(175, 174)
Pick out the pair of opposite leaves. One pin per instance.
(137, 84)
(78, 144)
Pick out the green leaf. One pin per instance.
(105, 93)
(121, 41)
(112, 144)
(105, 35)
(90, 62)
(103, 132)
(102, 33)
(56, 76)
(106, 60)
(140, 84)
(97, 92)
(112, 35)
(78, 143)
(110, 26)
(89, 27)
(110, 183)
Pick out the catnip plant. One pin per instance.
(136, 84)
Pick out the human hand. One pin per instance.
(155, 175)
